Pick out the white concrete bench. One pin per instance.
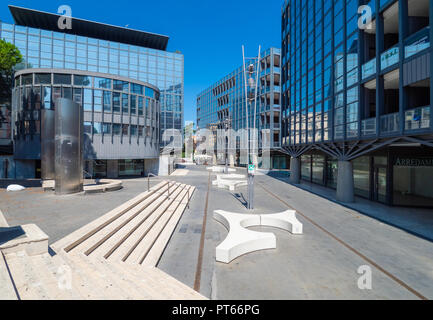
(240, 241)
(231, 184)
(227, 177)
(220, 169)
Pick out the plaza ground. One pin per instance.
(320, 264)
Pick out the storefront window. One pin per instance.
(318, 168)
(331, 173)
(306, 167)
(131, 167)
(361, 176)
(412, 176)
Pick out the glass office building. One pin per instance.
(225, 99)
(356, 97)
(95, 48)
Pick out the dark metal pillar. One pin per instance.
(403, 16)
(379, 78)
(68, 147)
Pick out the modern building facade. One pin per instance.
(356, 97)
(127, 74)
(223, 104)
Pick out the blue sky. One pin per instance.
(209, 33)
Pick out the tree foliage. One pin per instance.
(10, 56)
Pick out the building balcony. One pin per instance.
(389, 123)
(389, 58)
(418, 118)
(418, 42)
(368, 127)
(369, 68)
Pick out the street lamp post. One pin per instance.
(251, 83)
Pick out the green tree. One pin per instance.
(10, 56)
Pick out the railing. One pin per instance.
(368, 127)
(389, 123)
(369, 68)
(417, 42)
(418, 118)
(148, 180)
(389, 58)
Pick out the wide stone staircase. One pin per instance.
(113, 257)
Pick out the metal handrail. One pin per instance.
(148, 180)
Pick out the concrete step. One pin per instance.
(53, 278)
(7, 291)
(29, 238)
(79, 236)
(170, 287)
(82, 281)
(154, 255)
(148, 239)
(110, 245)
(123, 278)
(132, 239)
(99, 238)
(111, 283)
(26, 278)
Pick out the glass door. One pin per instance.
(380, 184)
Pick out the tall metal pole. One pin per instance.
(251, 175)
(246, 105)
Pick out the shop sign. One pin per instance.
(413, 162)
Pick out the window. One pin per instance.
(102, 83)
(136, 88)
(62, 78)
(133, 130)
(42, 78)
(125, 128)
(140, 106)
(97, 128)
(117, 128)
(133, 105)
(116, 102)
(121, 85)
(125, 107)
(87, 103)
(106, 128)
(83, 81)
(97, 100)
(107, 101)
(88, 127)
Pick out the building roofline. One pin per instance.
(87, 28)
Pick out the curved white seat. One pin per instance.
(240, 241)
(227, 177)
(220, 169)
(231, 184)
(284, 220)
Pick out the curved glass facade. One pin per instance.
(116, 111)
(47, 49)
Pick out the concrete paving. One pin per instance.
(58, 216)
(320, 264)
(311, 266)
